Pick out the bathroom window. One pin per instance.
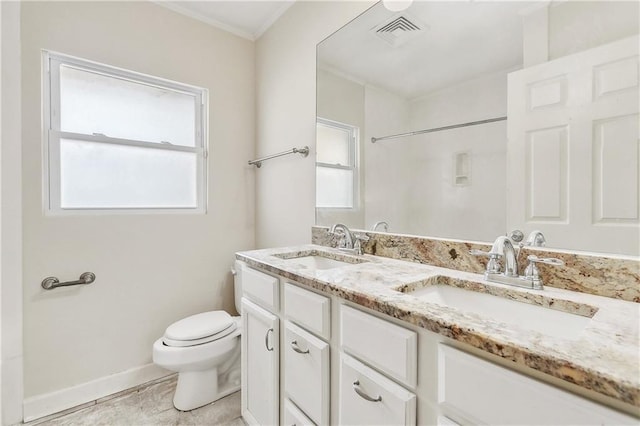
(336, 164)
(120, 141)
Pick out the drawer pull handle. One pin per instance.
(294, 345)
(266, 340)
(356, 387)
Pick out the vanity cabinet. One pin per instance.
(309, 358)
(294, 339)
(260, 363)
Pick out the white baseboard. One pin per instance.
(54, 402)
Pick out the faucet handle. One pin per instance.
(493, 266)
(476, 252)
(532, 272)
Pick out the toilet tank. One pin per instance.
(238, 267)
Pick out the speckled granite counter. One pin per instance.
(604, 357)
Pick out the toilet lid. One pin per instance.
(199, 326)
(233, 328)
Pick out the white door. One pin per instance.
(260, 365)
(573, 154)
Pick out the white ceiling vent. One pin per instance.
(399, 29)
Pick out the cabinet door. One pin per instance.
(368, 398)
(260, 365)
(293, 416)
(484, 393)
(306, 372)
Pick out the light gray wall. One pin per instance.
(151, 269)
(11, 387)
(286, 116)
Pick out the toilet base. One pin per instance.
(196, 389)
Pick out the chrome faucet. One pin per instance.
(349, 241)
(503, 249)
(383, 224)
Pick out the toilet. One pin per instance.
(204, 349)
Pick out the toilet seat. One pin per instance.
(199, 329)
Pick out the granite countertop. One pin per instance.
(603, 357)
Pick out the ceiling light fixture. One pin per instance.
(396, 5)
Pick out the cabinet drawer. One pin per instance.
(306, 372)
(260, 288)
(293, 415)
(308, 309)
(391, 403)
(388, 347)
(484, 393)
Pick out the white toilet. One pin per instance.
(205, 351)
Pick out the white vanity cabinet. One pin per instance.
(260, 363)
(309, 358)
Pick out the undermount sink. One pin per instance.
(566, 319)
(314, 259)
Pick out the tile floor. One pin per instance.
(150, 405)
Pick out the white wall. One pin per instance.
(341, 99)
(575, 26)
(11, 388)
(151, 269)
(286, 116)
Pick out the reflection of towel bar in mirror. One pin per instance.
(50, 283)
(437, 129)
(258, 162)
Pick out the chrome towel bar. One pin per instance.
(258, 162)
(50, 283)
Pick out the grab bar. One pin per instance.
(258, 162)
(50, 283)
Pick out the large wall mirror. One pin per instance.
(467, 120)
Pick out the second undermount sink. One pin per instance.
(318, 260)
(555, 318)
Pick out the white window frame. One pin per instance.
(52, 134)
(354, 136)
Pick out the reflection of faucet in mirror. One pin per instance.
(383, 224)
(349, 242)
(535, 239)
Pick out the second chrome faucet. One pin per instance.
(503, 248)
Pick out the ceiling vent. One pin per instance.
(399, 29)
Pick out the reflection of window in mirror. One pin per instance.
(336, 164)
